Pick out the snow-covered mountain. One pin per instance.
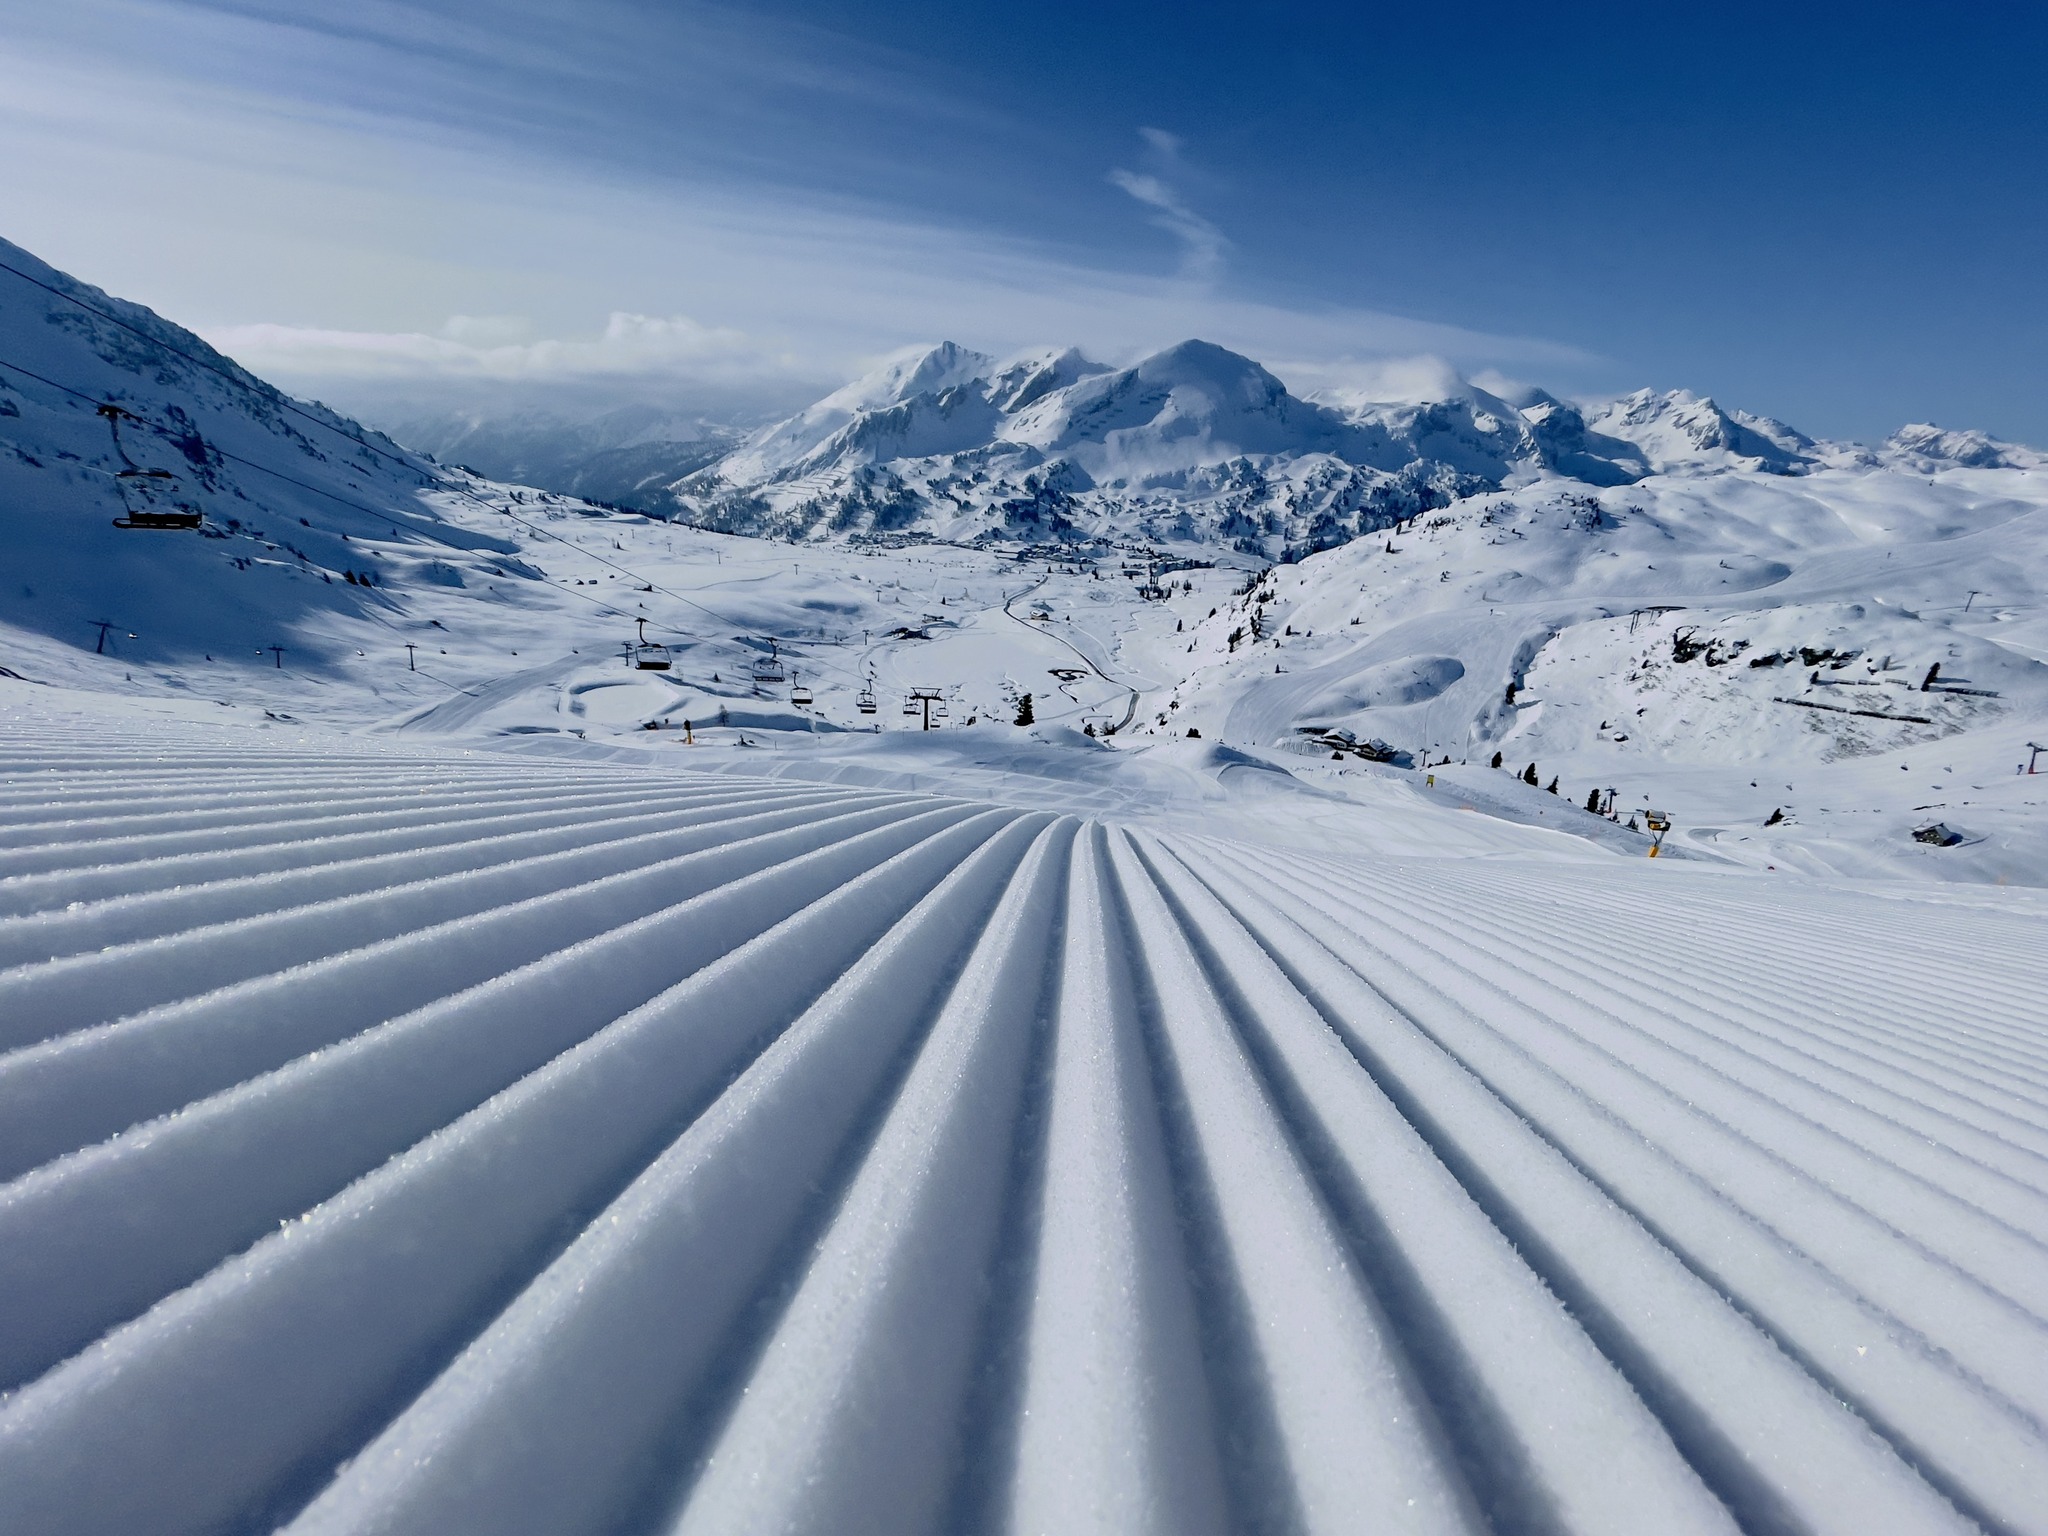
(1194, 444)
(1919, 445)
(1654, 592)
(306, 521)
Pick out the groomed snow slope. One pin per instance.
(424, 1142)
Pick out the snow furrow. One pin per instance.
(279, 1355)
(303, 822)
(124, 920)
(89, 1084)
(1943, 1418)
(1775, 1444)
(245, 805)
(1996, 1339)
(59, 890)
(83, 990)
(1750, 985)
(1472, 1315)
(1745, 951)
(1115, 1422)
(405, 1141)
(1358, 1438)
(1918, 1187)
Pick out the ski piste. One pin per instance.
(457, 1072)
(423, 1140)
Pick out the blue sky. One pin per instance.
(1834, 215)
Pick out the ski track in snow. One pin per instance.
(404, 1142)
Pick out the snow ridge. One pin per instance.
(425, 1141)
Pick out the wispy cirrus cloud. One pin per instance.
(1203, 245)
(327, 240)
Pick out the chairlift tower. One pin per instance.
(921, 700)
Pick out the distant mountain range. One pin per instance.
(1198, 444)
(627, 457)
(1193, 446)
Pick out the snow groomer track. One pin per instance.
(478, 1145)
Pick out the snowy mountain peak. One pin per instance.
(789, 446)
(912, 372)
(1678, 430)
(1192, 404)
(1025, 380)
(1973, 450)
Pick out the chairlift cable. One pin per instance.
(611, 610)
(240, 377)
(243, 379)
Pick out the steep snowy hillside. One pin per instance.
(296, 522)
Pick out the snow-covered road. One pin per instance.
(401, 1140)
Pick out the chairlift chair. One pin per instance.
(144, 493)
(799, 694)
(647, 655)
(867, 701)
(178, 517)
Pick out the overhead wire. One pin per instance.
(749, 655)
(239, 377)
(610, 609)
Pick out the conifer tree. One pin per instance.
(1529, 775)
(1496, 759)
(1024, 716)
(1593, 801)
